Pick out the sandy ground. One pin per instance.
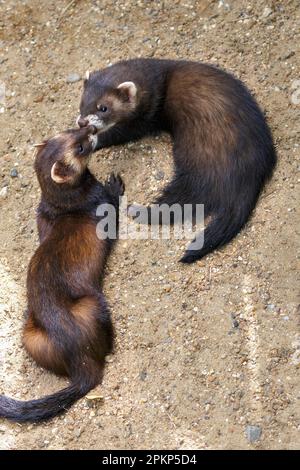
(202, 351)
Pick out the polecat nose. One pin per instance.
(82, 122)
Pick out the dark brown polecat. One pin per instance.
(68, 329)
(223, 148)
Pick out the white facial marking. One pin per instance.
(93, 120)
(106, 127)
(93, 139)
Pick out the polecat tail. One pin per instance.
(224, 226)
(229, 197)
(49, 406)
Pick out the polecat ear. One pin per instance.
(42, 144)
(61, 173)
(128, 91)
(86, 77)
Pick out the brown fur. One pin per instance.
(68, 329)
(41, 349)
(222, 146)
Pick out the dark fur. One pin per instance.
(223, 148)
(68, 329)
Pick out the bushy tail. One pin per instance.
(47, 407)
(224, 227)
(229, 213)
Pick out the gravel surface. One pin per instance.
(207, 356)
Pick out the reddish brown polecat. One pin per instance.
(68, 329)
(223, 149)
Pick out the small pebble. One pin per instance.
(143, 375)
(3, 192)
(73, 78)
(14, 173)
(159, 175)
(270, 306)
(288, 55)
(253, 433)
(78, 432)
(235, 322)
(267, 12)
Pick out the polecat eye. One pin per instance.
(102, 108)
(80, 148)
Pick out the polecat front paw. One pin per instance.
(115, 185)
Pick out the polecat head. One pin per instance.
(104, 105)
(64, 158)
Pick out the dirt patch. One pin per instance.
(202, 351)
